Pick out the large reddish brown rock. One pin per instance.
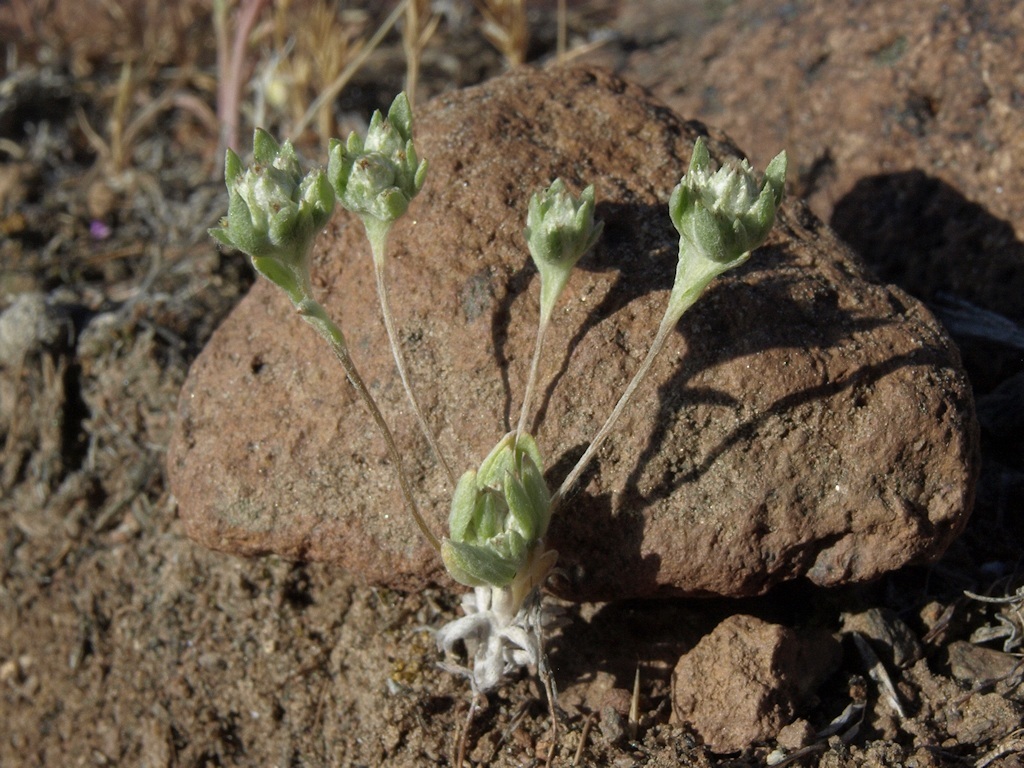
(804, 422)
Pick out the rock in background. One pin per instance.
(806, 421)
(929, 100)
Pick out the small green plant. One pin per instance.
(500, 512)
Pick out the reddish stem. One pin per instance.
(232, 75)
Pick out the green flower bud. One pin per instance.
(721, 217)
(559, 230)
(275, 212)
(379, 176)
(499, 514)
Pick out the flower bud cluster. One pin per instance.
(499, 514)
(274, 212)
(378, 176)
(721, 217)
(559, 230)
(726, 214)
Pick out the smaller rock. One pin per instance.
(613, 725)
(747, 679)
(796, 735)
(976, 665)
(30, 324)
(890, 637)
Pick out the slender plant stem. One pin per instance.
(420, 24)
(413, 51)
(531, 381)
(667, 324)
(314, 314)
(378, 244)
(693, 275)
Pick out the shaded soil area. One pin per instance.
(123, 643)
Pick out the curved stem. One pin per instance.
(314, 314)
(693, 275)
(667, 324)
(531, 381)
(378, 243)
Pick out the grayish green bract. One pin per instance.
(274, 212)
(378, 176)
(559, 230)
(499, 513)
(721, 217)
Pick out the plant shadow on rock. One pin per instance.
(819, 326)
(615, 251)
(920, 233)
(771, 317)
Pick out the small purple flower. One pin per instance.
(99, 230)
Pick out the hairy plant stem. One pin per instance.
(656, 346)
(693, 275)
(531, 381)
(377, 233)
(314, 314)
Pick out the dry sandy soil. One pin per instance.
(123, 643)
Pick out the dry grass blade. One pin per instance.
(1017, 597)
(584, 735)
(633, 724)
(310, 52)
(330, 92)
(463, 737)
(420, 24)
(878, 672)
(506, 28)
(231, 71)
(1013, 744)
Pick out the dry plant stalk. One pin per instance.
(322, 43)
(505, 28)
(232, 71)
(328, 94)
(420, 24)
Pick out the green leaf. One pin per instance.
(400, 116)
(492, 468)
(264, 148)
(520, 506)
(476, 566)
(463, 506)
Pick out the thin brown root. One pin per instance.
(548, 680)
(460, 745)
(584, 735)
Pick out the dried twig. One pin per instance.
(506, 29)
(878, 672)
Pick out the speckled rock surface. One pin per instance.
(745, 681)
(904, 123)
(805, 421)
